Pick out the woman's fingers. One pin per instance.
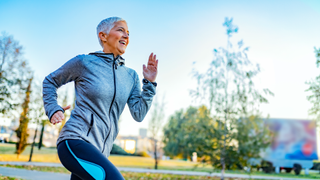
(150, 57)
(152, 60)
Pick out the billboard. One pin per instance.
(292, 140)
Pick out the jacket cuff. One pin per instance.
(146, 81)
(149, 90)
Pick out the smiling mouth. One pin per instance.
(123, 42)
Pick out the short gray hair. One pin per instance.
(106, 25)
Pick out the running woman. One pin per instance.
(103, 86)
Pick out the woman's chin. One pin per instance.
(121, 52)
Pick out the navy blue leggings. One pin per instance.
(86, 162)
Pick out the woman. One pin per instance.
(103, 86)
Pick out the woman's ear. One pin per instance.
(103, 36)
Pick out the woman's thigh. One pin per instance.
(85, 161)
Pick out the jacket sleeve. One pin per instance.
(70, 71)
(140, 102)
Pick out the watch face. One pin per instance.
(146, 81)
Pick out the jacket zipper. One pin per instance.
(114, 96)
(91, 124)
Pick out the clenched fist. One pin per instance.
(58, 116)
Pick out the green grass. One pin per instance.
(155, 176)
(8, 178)
(39, 168)
(10, 149)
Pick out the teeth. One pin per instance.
(122, 42)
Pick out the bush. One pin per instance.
(143, 154)
(118, 150)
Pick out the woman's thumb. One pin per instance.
(67, 107)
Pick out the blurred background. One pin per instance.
(187, 36)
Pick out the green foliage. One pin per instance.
(251, 137)
(22, 133)
(118, 150)
(188, 132)
(314, 90)
(317, 53)
(196, 131)
(9, 178)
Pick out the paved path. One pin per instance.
(37, 175)
(32, 175)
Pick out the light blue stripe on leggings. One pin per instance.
(96, 171)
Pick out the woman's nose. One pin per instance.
(126, 35)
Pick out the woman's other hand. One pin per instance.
(150, 72)
(58, 116)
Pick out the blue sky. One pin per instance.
(281, 36)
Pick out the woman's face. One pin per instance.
(117, 40)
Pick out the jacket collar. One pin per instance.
(109, 57)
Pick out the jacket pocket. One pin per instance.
(91, 124)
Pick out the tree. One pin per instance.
(14, 71)
(155, 124)
(22, 133)
(188, 132)
(229, 89)
(251, 137)
(317, 52)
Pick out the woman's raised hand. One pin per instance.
(150, 72)
(58, 116)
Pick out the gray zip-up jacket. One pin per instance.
(103, 86)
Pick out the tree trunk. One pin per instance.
(155, 155)
(34, 139)
(41, 135)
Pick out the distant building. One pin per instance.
(136, 144)
(4, 134)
